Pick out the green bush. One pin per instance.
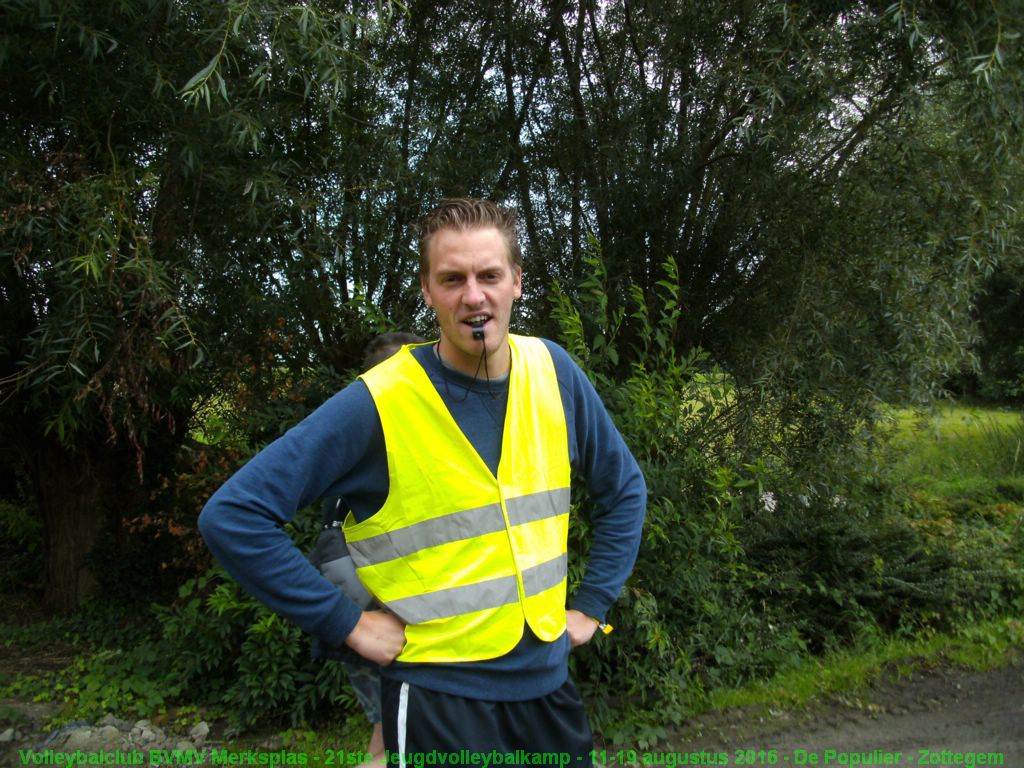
(231, 652)
(688, 618)
(833, 568)
(214, 647)
(21, 545)
(774, 526)
(205, 643)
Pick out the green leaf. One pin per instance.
(201, 75)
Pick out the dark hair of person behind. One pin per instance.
(384, 345)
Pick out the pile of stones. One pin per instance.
(109, 736)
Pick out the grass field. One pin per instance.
(963, 452)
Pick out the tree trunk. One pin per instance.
(68, 492)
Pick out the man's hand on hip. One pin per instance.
(579, 626)
(378, 636)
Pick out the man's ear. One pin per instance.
(426, 291)
(517, 286)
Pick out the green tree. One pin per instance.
(999, 308)
(200, 196)
(163, 165)
(834, 181)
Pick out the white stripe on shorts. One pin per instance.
(403, 712)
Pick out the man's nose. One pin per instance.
(472, 296)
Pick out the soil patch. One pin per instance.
(941, 717)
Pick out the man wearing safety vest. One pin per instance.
(454, 458)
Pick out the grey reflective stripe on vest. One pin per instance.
(402, 542)
(537, 506)
(455, 601)
(457, 526)
(492, 593)
(544, 576)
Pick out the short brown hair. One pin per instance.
(462, 213)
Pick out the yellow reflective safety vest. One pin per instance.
(464, 557)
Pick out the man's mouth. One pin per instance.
(476, 319)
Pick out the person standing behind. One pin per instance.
(364, 677)
(455, 460)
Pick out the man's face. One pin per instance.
(472, 278)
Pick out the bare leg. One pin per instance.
(375, 748)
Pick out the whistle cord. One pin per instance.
(481, 362)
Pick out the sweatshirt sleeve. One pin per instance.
(242, 522)
(616, 486)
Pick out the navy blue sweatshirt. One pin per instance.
(338, 450)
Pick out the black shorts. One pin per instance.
(425, 728)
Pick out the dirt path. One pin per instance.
(947, 717)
